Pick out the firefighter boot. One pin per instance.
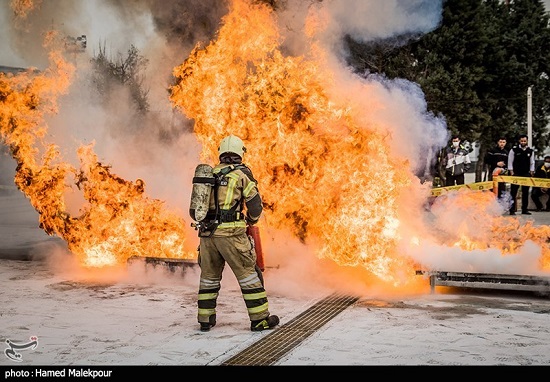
(267, 323)
(205, 326)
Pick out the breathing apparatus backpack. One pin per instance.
(204, 183)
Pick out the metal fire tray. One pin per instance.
(171, 264)
(488, 281)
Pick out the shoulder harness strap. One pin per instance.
(221, 216)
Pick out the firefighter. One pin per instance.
(234, 203)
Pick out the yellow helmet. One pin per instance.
(232, 144)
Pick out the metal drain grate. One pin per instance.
(279, 342)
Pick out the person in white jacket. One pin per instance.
(457, 163)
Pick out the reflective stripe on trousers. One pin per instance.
(238, 253)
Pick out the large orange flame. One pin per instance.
(118, 221)
(323, 175)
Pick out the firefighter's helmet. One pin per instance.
(232, 144)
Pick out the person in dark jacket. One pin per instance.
(544, 173)
(497, 160)
(521, 162)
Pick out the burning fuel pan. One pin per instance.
(537, 284)
(171, 264)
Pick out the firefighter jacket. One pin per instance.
(237, 201)
(457, 160)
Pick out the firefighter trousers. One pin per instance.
(237, 252)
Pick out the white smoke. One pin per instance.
(416, 134)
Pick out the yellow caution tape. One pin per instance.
(481, 186)
(525, 181)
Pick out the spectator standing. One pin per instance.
(521, 162)
(457, 162)
(544, 173)
(497, 160)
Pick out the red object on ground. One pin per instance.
(254, 232)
